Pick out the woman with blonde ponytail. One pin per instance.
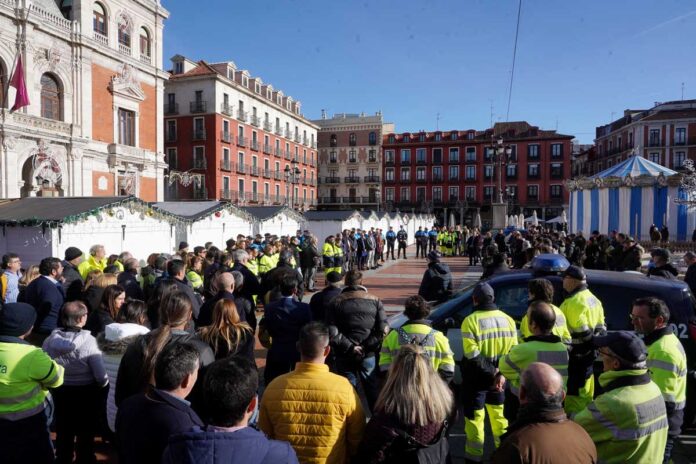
(135, 374)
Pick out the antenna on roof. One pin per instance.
(682, 91)
(437, 122)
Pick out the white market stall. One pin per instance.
(36, 227)
(275, 220)
(325, 223)
(630, 197)
(370, 219)
(207, 221)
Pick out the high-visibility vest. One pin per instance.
(26, 374)
(195, 279)
(338, 256)
(628, 422)
(253, 266)
(549, 350)
(327, 254)
(667, 367)
(584, 315)
(560, 328)
(91, 264)
(265, 264)
(490, 333)
(434, 343)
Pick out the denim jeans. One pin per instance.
(365, 372)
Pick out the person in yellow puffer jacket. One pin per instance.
(266, 261)
(96, 261)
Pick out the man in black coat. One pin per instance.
(663, 268)
(72, 280)
(145, 421)
(47, 296)
(225, 286)
(309, 259)
(251, 282)
(437, 280)
(690, 277)
(127, 279)
(177, 271)
(324, 298)
(273, 278)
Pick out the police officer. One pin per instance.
(423, 241)
(488, 334)
(541, 346)
(26, 374)
(391, 239)
(542, 290)
(401, 237)
(418, 331)
(418, 235)
(432, 239)
(666, 360)
(585, 318)
(628, 422)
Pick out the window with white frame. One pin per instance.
(420, 174)
(471, 173)
(389, 174)
(470, 193)
(532, 192)
(420, 194)
(655, 157)
(388, 156)
(453, 173)
(556, 191)
(389, 194)
(405, 156)
(680, 136)
(679, 158)
(471, 154)
(420, 155)
(454, 193)
(172, 160)
(405, 194)
(405, 174)
(488, 193)
(454, 155)
(437, 174)
(437, 193)
(437, 155)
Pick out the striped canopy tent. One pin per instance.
(630, 197)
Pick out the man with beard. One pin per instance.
(47, 296)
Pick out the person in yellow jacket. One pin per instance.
(338, 254)
(26, 374)
(488, 334)
(96, 261)
(418, 331)
(194, 272)
(542, 290)
(628, 421)
(266, 261)
(541, 346)
(666, 361)
(319, 413)
(327, 255)
(585, 318)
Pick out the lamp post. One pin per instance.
(292, 176)
(378, 198)
(501, 154)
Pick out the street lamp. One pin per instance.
(501, 154)
(378, 198)
(292, 176)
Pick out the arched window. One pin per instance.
(124, 31)
(99, 23)
(352, 139)
(144, 43)
(51, 98)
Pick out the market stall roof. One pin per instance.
(58, 210)
(195, 210)
(332, 215)
(263, 213)
(635, 166)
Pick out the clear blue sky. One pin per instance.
(577, 61)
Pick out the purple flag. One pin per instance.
(19, 82)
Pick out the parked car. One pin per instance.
(616, 291)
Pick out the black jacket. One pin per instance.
(92, 297)
(97, 321)
(205, 316)
(690, 278)
(309, 256)
(274, 277)
(667, 271)
(130, 284)
(251, 282)
(437, 282)
(356, 318)
(630, 259)
(322, 300)
(72, 282)
(185, 287)
(145, 422)
(47, 298)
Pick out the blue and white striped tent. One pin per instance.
(630, 197)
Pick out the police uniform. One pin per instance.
(628, 422)
(401, 237)
(560, 328)
(419, 332)
(584, 315)
(548, 349)
(26, 374)
(488, 334)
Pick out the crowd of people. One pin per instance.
(158, 358)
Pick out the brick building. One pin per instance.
(94, 76)
(453, 172)
(350, 160)
(665, 134)
(239, 138)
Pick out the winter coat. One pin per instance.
(205, 317)
(72, 282)
(92, 297)
(113, 343)
(631, 259)
(77, 351)
(244, 446)
(356, 318)
(690, 278)
(437, 282)
(98, 320)
(332, 421)
(322, 300)
(309, 257)
(131, 285)
(47, 298)
(667, 271)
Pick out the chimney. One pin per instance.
(323, 114)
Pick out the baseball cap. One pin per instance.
(627, 346)
(434, 255)
(484, 293)
(575, 272)
(661, 252)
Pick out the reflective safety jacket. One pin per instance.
(628, 422)
(667, 366)
(253, 266)
(91, 264)
(265, 264)
(419, 332)
(560, 328)
(338, 256)
(26, 374)
(327, 254)
(548, 349)
(195, 279)
(584, 315)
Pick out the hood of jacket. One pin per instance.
(64, 341)
(668, 268)
(440, 268)
(117, 336)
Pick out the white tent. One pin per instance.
(325, 223)
(275, 220)
(36, 227)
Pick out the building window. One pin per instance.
(437, 174)
(405, 174)
(454, 193)
(389, 156)
(389, 194)
(334, 141)
(372, 138)
(471, 173)
(556, 191)
(437, 155)
(488, 172)
(438, 136)
(532, 152)
(421, 137)
(171, 130)
(99, 22)
(145, 49)
(454, 136)
(471, 135)
(332, 157)
(454, 155)
(487, 193)
(454, 173)
(470, 193)
(679, 158)
(437, 193)
(51, 98)
(420, 174)
(352, 156)
(511, 171)
(556, 150)
(352, 139)
(471, 154)
(389, 174)
(171, 158)
(407, 138)
(391, 138)
(199, 157)
(126, 127)
(655, 158)
(124, 34)
(420, 155)
(630, 140)
(420, 194)
(405, 156)
(533, 170)
(654, 138)
(680, 136)
(532, 192)
(405, 194)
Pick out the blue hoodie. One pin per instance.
(245, 446)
